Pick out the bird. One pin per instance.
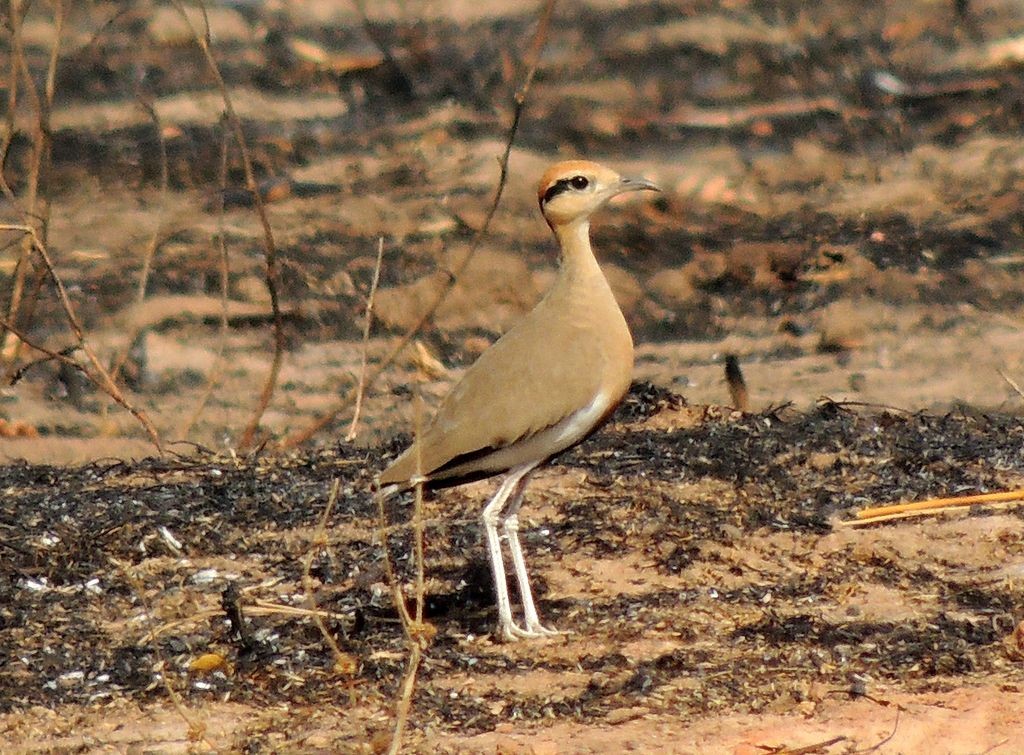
(552, 379)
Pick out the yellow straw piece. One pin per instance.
(940, 503)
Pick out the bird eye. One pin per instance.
(579, 182)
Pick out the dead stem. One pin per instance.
(101, 378)
(247, 439)
(418, 634)
(417, 513)
(813, 749)
(389, 567)
(940, 503)
(519, 102)
(146, 103)
(343, 662)
(351, 435)
(1011, 382)
(63, 356)
(39, 167)
(405, 697)
(13, 66)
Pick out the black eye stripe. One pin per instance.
(562, 185)
(555, 189)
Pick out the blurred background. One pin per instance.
(841, 210)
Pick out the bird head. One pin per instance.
(574, 189)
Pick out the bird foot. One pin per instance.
(512, 632)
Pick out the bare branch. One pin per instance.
(248, 436)
(100, 376)
(350, 436)
(39, 166)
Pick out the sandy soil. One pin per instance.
(841, 213)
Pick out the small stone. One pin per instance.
(621, 715)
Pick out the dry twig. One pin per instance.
(196, 729)
(248, 436)
(63, 356)
(39, 166)
(146, 104)
(418, 633)
(1012, 383)
(100, 377)
(812, 749)
(929, 506)
(343, 662)
(360, 387)
(17, 54)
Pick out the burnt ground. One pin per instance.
(841, 212)
(742, 593)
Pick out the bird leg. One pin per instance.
(510, 527)
(510, 494)
(532, 621)
(491, 517)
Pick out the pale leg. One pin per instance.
(532, 621)
(491, 517)
(512, 485)
(510, 528)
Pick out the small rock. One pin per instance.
(621, 715)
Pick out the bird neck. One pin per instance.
(578, 259)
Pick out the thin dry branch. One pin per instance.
(417, 519)
(405, 697)
(146, 103)
(931, 506)
(63, 356)
(154, 239)
(248, 437)
(888, 737)
(418, 633)
(389, 567)
(17, 54)
(39, 165)
(941, 503)
(519, 101)
(360, 387)
(343, 662)
(1012, 383)
(814, 749)
(100, 377)
(255, 608)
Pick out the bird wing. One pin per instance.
(532, 378)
